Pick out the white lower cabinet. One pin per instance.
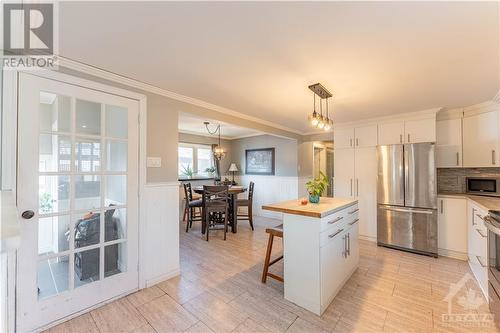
(339, 258)
(477, 245)
(452, 226)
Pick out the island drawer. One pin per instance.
(341, 217)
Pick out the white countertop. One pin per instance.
(10, 231)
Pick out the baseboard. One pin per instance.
(453, 254)
(163, 277)
(368, 238)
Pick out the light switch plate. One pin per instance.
(153, 162)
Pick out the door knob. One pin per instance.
(28, 214)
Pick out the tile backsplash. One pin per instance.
(452, 180)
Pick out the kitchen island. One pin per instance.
(320, 249)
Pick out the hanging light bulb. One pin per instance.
(328, 122)
(314, 119)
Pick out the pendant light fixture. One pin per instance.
(317, 119)
(218, 151)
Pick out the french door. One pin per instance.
(77, 189)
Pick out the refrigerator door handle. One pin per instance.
(408, 210)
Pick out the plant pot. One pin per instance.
(313, 198)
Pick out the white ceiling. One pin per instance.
(193, 124)
(258, 58)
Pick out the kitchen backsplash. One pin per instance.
(452, 180)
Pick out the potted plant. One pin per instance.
(316, 187)
(210, 171)
(187, 171)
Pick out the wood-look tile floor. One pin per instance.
(219, 290)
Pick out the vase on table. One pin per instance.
(313, 198)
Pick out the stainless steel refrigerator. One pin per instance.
(407, 197)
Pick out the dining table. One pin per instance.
(233, 191)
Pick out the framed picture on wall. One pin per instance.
(259, 161)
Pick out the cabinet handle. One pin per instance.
(493, 157)
(335, 233)
(473, 213)
(354, 222)
(400, 138)
(344, 253)
(481, 233)
(458, 158)
(480, 262)
(336, 220)
(480, 217)
(441, 206)
(350, 142)
(348, 244)
(353, 211)
(357, 142)
(357, 187)
(351, 187)
(409, 137)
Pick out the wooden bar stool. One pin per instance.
(273, 232)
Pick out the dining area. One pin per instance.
(217, 207)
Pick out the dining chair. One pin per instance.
(190, 206)
(246, 203)
(215, 201)
(273, 232)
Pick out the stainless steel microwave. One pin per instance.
(483, 185)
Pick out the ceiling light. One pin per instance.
(218, 151)
(317, 119)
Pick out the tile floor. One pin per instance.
(219, 290)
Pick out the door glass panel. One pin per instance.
(86, 267)
(116, 190)
(87, 229)
(88, 117)
(53, 234)
(116, 121)
(87, 155)
(115, 259)
(115, 224)
(52, 277)
(53, 194)
(55, 112)
(117, 155)
(87, 192)
(54, 153)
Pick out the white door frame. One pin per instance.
(9, 142)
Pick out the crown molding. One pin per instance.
(118, 78)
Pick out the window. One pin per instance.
(194, 159)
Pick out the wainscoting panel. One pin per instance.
(159, 259)
(270, 189)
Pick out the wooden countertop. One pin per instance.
(325, 207)
(488, 203)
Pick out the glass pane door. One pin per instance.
(79, 178)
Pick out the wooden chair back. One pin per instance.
(250, 191)
(188, 192)
(215, 198)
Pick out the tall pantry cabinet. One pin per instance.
(355, 173)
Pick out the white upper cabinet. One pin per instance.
(481, 140)
(343, 138)
(422, 130)
(365, 136)
(449, 143)
(391, 133)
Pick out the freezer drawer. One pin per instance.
(413, 229)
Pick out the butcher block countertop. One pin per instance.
(488, 203)
(325, 207)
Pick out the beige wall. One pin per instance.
(162, 127)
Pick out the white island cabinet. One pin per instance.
(320, 249)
